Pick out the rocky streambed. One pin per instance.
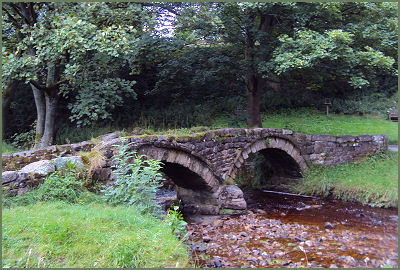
(282, 230)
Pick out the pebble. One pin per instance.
(264, 255)
(206, 239)
(329, 225)
(308, 243)
(243, 234)
(279, 253)
(248, 252)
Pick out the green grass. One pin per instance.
(8, 149)
(315, 122)
(68, 134)
(373, 181)
(57, 234)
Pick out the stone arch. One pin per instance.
(197, 171)
(280, 148)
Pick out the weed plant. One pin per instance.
(63, 185)
(137, 180)
(175, 221)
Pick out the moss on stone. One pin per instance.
(226, 211)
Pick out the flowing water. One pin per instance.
(283, 230)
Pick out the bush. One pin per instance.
(375, 103)
(137, 180)
(65, 185)
(25, 140)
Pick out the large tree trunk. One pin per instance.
(51, 97)
(41, 114)
(254, 88)
(255, 83)
(49, 126)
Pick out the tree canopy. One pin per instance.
(109, 61)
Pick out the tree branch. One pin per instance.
(38, 86)
(32, 11)
(12, 19)
(18, 11)
(26, 14)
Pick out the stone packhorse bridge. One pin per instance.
(200, 164)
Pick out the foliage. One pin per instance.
(93, 160)
(262, 170)
(371, 181)
(374, 103)
(24, 140)
(63, 185)
(8, 149)
(137, 180)
(175, 221)
(110, 54)
(62, 235)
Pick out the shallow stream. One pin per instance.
(282, 230)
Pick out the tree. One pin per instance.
(60, 49)
(331, 45)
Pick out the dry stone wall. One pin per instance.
(18, 160)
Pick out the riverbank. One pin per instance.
(372, 181)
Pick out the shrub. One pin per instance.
(137, 180)
(65, 185)
(25, 140)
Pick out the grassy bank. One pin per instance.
(57, 234)
(316, 122)
(373, 181)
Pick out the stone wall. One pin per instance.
(18, 160)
